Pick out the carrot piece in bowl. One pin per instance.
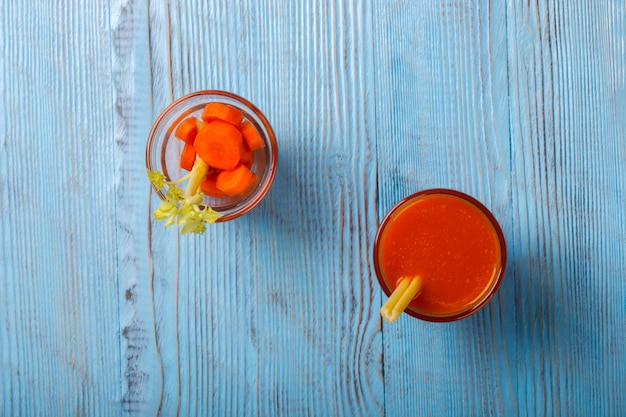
(209, 187)
(187, 130)
(187, 157)
(251, 137)
(236, 181)
(221, 111)
(219, 145)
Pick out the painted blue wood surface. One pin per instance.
(104, 312)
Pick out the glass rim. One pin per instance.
(492, 220)
(272, 162)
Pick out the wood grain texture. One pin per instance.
(445, 124)
(140, 365)
(259, 300)
(103, 312)
(59, 315)
(567, 167)
(538, 141)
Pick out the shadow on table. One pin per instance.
(307, 201)
(540, 331)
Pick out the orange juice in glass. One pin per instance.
(446, 243)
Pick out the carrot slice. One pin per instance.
(246, 158)
(219, 145)
(187, 157)
(251, 137)
(221, 111)
(209, 187)
(235, 181)
(187, 130)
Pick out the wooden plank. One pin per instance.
(140, 365)
(442, 121)
(274, 308)
(319, 348)
(548, 159)
(59, 313)
(568, 152)
(208, 363)
(164, 245)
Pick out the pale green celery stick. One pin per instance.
(407, 289)
(198, 172)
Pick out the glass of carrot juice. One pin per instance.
(446, 249)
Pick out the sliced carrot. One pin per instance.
(187, 130)
(246, 157)
(209, 187)
(235, 181)
(219, 145)
(251, 137)
(187, 157)
(221, 111)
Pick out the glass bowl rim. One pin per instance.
(272, 162)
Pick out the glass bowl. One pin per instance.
(489, 290)
(163, 149)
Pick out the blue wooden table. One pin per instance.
(103, 312)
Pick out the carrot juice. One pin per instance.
(450, 241)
